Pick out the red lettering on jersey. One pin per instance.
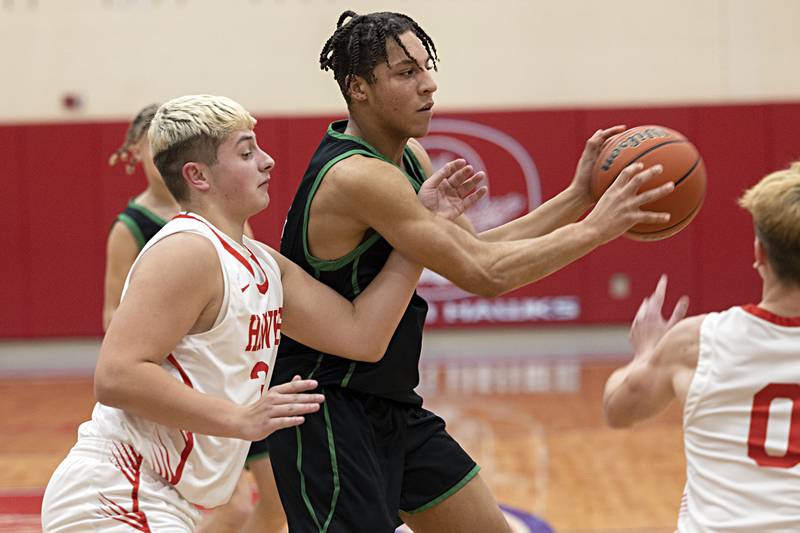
(252, 337)
(259, 367)
(265, 330)
(759, 416)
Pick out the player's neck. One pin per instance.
(230, 225)
(389, 144)
(159, 197)
(781, 299)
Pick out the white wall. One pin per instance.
(122, 54)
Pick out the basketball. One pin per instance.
(682, 165)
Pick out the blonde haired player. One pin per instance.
(143, 217)
(738, 376)
(184, 367)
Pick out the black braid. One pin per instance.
(359, 44)
(136, 130)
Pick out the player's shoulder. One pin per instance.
(421, 154)
(359, 171)
(183, 260)
(121, 234)
(680, 343)
(182, 247)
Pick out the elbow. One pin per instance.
(374, 353)
(484, 283)
(107, 385)
(615, 419)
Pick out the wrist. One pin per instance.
(581, 196)
(233, 421)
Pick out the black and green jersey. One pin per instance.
(141, 222)
(396, 375)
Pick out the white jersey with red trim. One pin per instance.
(233, 360)
(741, 426)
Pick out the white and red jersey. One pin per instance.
(741, 426)
(232, 360)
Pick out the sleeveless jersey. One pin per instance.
(742, 426)
(396, 375)
(141, 222)
(233, 360)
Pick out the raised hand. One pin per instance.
(281, 407)
(583, 173)
(618, 209)
(452, 189)
(649, 326)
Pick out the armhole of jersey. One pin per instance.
(332, 264)
(419, 172)
(133, 227)
(702, 374)
(155, 219)
(253, 244)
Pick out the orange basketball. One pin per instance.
(682, 165)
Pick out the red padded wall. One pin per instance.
(60, 197)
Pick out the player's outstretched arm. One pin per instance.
(378, 195)
(361, 330)
(664, 351)
(564, 208)
(176, 289)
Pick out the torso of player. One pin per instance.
(234, 360)
(333, 231)
(742, 425)
(397, 374)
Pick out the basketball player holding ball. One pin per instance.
(373, 456)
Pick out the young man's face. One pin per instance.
(402, 92)
(241, 173)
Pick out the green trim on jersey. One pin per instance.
(406, 150)
(133, 227)
(354, 278)
(332, 264)
(346, 379)
(321, 528)
(336, 264)
(146, 212)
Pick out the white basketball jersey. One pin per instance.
(233, 360)
(741, 426)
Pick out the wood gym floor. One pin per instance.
(533, 421)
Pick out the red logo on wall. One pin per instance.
(514, 189)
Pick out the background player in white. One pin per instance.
(184, 365)
(737, 373)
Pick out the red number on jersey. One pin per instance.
(759, 416)
(259, 367)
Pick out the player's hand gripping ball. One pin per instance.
(682, 165)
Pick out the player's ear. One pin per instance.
(758, 253)
(196, 175)
(357, 88)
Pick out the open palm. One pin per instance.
(452, 189)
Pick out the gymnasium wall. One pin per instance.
(60, 198)
(119, 55)
(522, 83)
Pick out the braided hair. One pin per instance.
(136, 130)
(358, 45)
